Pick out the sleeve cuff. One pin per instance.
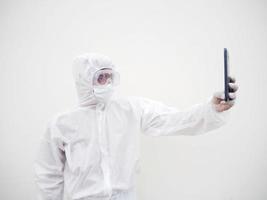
(222, 117)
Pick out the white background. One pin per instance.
(171, 51)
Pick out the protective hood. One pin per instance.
(84, 68)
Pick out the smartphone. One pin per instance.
(226, 74)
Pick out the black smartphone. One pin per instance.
(226, 75)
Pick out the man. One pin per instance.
(93, 150)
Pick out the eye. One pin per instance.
(107, 75)
(100, 77)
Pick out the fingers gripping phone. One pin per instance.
(227, 78)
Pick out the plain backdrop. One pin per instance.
(170, 51)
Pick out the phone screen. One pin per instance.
(226, 74)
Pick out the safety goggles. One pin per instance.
(106, 77)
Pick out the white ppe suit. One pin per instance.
(92, 151)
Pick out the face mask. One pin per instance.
(103, 94)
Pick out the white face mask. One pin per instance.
(103, 94)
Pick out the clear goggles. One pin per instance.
(106, 77)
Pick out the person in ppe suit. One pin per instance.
(91, 152)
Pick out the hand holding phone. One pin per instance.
(224, 100)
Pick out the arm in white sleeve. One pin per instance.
(158, 119)
(49, 165)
